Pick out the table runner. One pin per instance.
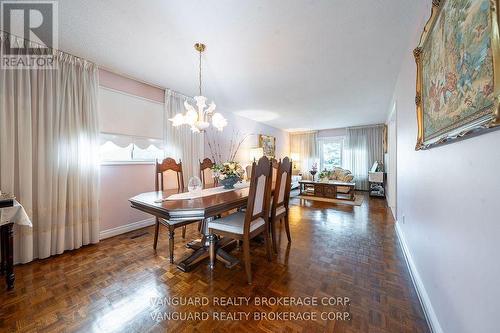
(15, 214)
(203, 193)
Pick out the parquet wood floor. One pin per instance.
(336, 250)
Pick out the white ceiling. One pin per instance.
(310, 64)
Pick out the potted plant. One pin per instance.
(228, 173)
(325, 175)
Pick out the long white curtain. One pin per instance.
(363, 147)
(305, 146)
(49, 154)
(180, 142)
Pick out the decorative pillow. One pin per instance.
(347, 178)
(337, 172)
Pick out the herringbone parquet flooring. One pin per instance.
(121, 285)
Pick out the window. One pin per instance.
(131, 128)
(121, 148)
(330, 152)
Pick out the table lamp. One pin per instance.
(256, 153)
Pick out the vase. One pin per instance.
(229, 182)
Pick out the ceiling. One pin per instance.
(308, 64)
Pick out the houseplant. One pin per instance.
(228, 173)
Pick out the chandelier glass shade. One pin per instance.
(199, 117)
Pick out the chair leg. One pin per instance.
(267, 243)
(184, 232)
(273, 235)
(171, 234)
(287, 228)
(246, 256)
(157, 227)
(211, 240)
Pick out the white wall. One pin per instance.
(238, 124)
(448, 212)
(391, 160)
(328, 133)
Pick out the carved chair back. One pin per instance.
(168, 164)
(275, 164)
(206, 173)
(283, 185)
(259, 194)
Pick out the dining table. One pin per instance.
(179, 207)
(11, 214)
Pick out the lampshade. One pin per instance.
(295, 160)
(256, 153)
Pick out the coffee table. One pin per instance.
(326, 189)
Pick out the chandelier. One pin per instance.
(199, 119)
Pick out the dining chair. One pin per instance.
(254, 221)
(275, 164)
(281, 198)
(206, 174)
(248, 172)
(169, 165)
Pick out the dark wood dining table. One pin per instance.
(198, 209)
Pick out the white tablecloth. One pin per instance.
(203, 193)
(15, 214)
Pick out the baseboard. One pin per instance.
(425, 301)
(126, 228)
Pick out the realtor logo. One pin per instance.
(33, 34)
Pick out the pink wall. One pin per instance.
(118, 184)
(114, 81)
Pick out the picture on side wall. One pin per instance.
(268, 144)
(458, 71)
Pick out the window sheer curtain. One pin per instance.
(305, 146)
(180, 142)
(49, 154)
(363, 146)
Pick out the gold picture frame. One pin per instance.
(480, 121)
(268, 145)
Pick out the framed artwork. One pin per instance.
(384, 139)
(458, 72)
(268, 144)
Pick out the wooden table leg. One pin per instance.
(8, 248)
(2, 250)
(202, 251)
(171, 234)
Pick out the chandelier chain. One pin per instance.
(200, 74)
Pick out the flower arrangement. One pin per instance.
(325, 174)
(228, 173)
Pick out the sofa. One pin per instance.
(339, 175)
(294, 180)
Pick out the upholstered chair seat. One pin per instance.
(234, 223)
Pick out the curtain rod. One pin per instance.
(365, 126)
(111, 70)
(303, 132)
